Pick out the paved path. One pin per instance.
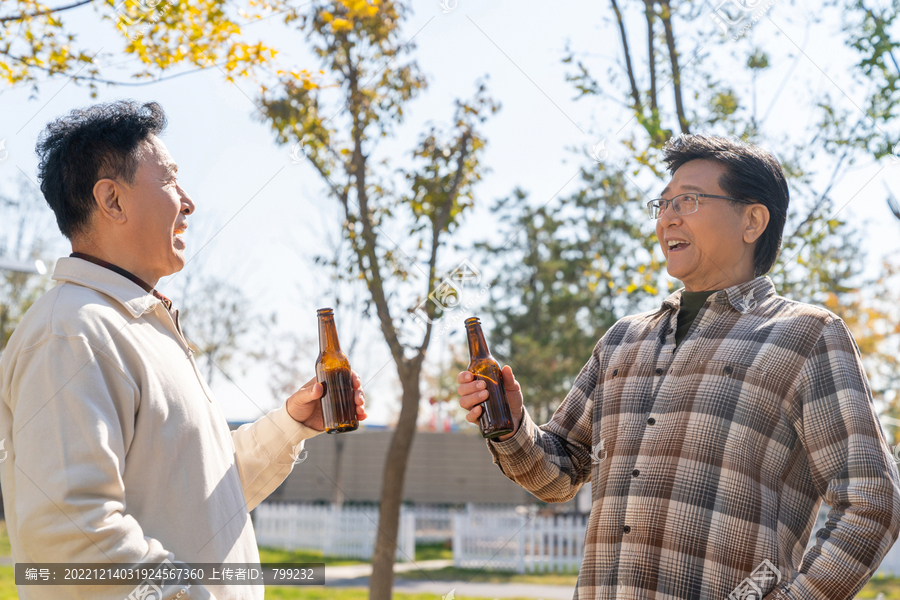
(358, 576)
(352, 572)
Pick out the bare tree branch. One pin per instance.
(666, 17)
(24, 16)
(635, 94)
(651, 54)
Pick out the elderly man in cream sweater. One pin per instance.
(118, 450)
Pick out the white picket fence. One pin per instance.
(507, 540)
(498, 537)
(335, 531)
(433, 523)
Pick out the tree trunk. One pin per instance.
(382, 580)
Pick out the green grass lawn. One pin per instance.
(483, 576)
(273, 555)
(434, 551)
(7, 582)
(889, 586)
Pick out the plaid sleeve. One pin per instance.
(851, 467)
(553, 461)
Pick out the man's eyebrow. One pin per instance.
(691, 188)
(171, 168)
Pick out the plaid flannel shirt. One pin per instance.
(709, 462)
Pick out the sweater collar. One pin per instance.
(127, 292)
(743, 297)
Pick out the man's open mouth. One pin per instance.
(675, 245)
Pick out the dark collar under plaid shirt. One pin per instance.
(708, 461)
(146, 286)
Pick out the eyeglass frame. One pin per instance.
(651, 205)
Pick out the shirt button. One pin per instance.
(635, 473)
(659, 371)
(651, 421)
(728, 369)
(615, 371)
(626, 529)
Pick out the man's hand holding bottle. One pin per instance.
(472, 393)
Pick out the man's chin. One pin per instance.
(676, 273)
(176, 264)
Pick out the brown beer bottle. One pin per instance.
(333, 372)
(496, 418)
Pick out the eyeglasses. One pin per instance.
(685, 204)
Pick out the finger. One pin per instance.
(464, 377)
(471, 388)
(472, 415)
(315, 392)
(471, 400)
(360, 397)
(356, 382)
(509, 380)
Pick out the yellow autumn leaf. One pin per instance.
(341, 25)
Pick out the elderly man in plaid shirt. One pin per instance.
(713, 427)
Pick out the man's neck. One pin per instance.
(92, 249)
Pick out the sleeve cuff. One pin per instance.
(279, 435)
(520, 443)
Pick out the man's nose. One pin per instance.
(186, 202)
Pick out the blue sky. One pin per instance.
(260, 217)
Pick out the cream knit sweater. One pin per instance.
(117, 449)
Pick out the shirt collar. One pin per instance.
(743, 297)
(136, 295)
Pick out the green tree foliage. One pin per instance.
(565, 274)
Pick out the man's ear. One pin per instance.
(756, 218)
(108, 195)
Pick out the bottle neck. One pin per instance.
(478, 347)
(328, 339)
